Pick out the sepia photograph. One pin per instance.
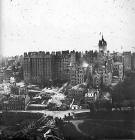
(67, 69)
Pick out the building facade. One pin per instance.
(16, 102)
(37, 67)
(76, 94)
(91, 96)
(76, 74)
(117, 57)
(43, 68)
(89, 57)
(1, 76)
(8, 73)
(133, 61)
(109, 65)
(118, 70)
(96, 80)
(127, 61)
(107, 79)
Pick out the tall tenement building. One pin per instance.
(133, 61)
(127, 61)
(96, 80)
(109, 65)
(1, 76)
(118, 70)
(107, 78)
(61, 62)
(57, 67)
(65, 66)
(42, 68)
(37, 67)
(27, 68)
(90, 56)
(117, 57)
(76, 74)
(72, 58)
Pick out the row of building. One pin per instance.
(42, 68)
(15, 102)
(11, 67)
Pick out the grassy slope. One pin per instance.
(102, 125)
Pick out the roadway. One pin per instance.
(52, 113)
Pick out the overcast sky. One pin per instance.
(51, 25)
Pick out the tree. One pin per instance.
(117, 94)
(124, 91)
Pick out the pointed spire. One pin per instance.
(102, 37)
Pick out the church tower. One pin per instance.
(102, 45)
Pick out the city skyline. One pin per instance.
(66, 25)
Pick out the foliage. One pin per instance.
(124, 90)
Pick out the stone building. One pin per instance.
(8, 73)
(91, 96)
(43, 68)
(127, 61)
(133, 61)
(102, 45)
(37, 67)
(60, 69)
(65, 66)
(89, 57)
(16, 102)
(27, 68)
(118, 70)
(107, 79)
(1, 76)
(117, 57)
(76, 74)
(76, 94)
(109, 65)
(89, 74)
(96, 80)
(72, 58)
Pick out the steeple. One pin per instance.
(102, 37)
(102, 45)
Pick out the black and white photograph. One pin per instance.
(67, 69)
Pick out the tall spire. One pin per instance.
(102, 44)
(102, 37)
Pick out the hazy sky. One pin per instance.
(47, 25)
